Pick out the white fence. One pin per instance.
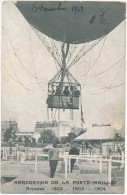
(100, 158)
(14, 154)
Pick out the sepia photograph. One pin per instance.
(63, 97)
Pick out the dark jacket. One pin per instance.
(74, 151)
(54, 154)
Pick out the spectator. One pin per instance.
(21, 153)
(76, 92)
(71, 90)
(58, 91)
(73, 151)
(66, 91)
(53, 159)
(50, 90)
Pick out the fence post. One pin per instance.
(36, 164)
(6, 153)
(95, 155)
(11, 157)
(65, 160)
(69, 165)
(110, 170)
(100, 164)
(122, 160)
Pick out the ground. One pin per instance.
(21, 178)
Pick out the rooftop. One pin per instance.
(97, 133)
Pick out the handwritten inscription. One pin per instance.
(100, 125)
(40, 7)
(75, 9)
(101, 19)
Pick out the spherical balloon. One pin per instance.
(73, 22)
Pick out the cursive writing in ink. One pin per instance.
(41, 7)
(76, 9)
(98, 19)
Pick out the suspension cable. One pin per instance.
(108, 88)
(85, 52)
(18, 80)
(46, 45)
(20, 62)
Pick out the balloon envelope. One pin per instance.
(73, 22)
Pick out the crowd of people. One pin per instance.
(57, 90)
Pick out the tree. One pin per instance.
(48, 136)
(64, 140)
(9, 134)
(117, 137)
(20, 139)
(40, 140)
(71, 137)
(33, 141)
(27, 141)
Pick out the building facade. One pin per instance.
(9, 124)
(61, 128)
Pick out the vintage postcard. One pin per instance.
(63, 97)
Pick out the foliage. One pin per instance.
(9, 134)
(69, 139)
(64, 140)
(33, 141)
(48, 136)
(20, 139)
(117, 137)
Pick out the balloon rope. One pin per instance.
(71, 52)
(45, 44)
(79, 52)
(47, 113)
(55, 77)
(54, 118)
(55, 50)
(18, 57)
(17, 78)
(73, 78)
(98, 55)
(111, 66)
(85, 52)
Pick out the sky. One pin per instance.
(24, 57)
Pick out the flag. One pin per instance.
(82, 118)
